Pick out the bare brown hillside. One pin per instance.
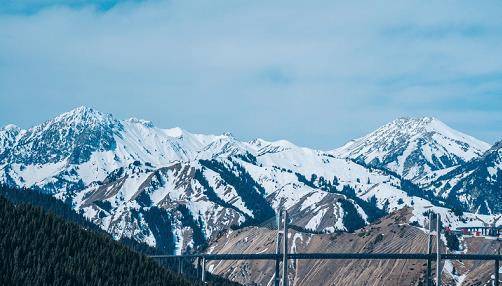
(478, 272)
(391, 234)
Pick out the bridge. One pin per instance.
(284, 257)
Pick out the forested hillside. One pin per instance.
(63, 210)
(49, 204)
(37, 248)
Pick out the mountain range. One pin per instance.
(178, 190)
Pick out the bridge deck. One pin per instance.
(272, 256)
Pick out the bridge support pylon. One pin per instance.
(277, 277)
(429, 251)
(203, 268)
(285, 251)
(438, 250)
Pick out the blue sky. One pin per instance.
(317, 73)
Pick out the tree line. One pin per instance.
(44, 242)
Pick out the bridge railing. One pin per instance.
(203, 258)
(283, 257)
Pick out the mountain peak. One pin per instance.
(414, 122)
(84, 115)
(11, 127)
(414, 147)
(79, 118)
(73, 135)
(83, 109)
(424, 119)
(423, 128)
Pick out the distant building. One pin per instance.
(481, 230)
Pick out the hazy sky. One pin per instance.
(317, 73)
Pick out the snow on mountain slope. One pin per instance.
(91, 144)
(155, 185)
(119, 203)
(476, 184)
(414, 148)
(8, 136)
(222, 193)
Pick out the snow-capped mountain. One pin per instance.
(417, 149)
(176, 190)
(476, 184)
(8, 136)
